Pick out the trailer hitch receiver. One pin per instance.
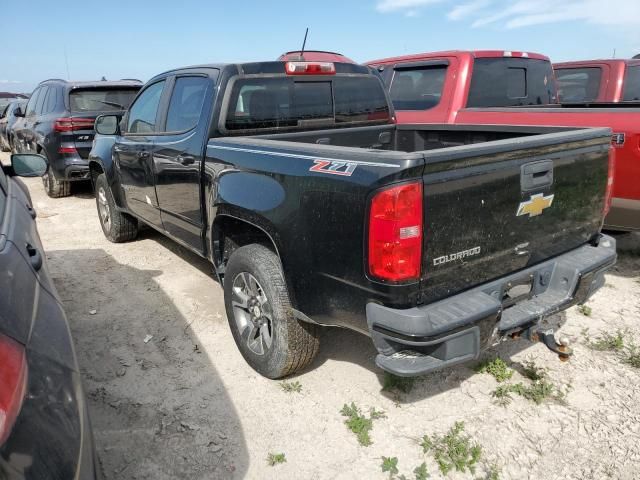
(548, 338)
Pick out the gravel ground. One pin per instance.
(184, 404)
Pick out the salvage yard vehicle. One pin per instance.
(611, 80)
(44, 423)
(512, 88)
(58, 123)
(316, 209)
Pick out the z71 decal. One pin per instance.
(334, 167)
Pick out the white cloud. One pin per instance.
(465, 9)
(10, 81)
(407, 6)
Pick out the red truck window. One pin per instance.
(506, 82)
(418, 88)
(578, 84)
(632, 84)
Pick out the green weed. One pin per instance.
(394, 382)
(585, 310)
(497, 368)
(291, 387)
(390, 464)
(455, 450)
(276, 458)
(360, 425)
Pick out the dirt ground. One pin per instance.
(184, 404)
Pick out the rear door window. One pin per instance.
(506, 82)
(186, 103)
(417, 88)
(144, 111)
(101, 99)
(578, 84)
(632, 84)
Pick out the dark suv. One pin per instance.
(58, 123)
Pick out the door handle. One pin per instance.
(536, 175)
(35, 257)
(185, 159)
(143, 155)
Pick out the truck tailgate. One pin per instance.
(493, 209)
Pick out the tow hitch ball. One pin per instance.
(549, 340)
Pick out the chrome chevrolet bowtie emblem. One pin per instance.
(535, 205)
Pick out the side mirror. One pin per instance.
(107, 125)
(28, 165)
(18, 113)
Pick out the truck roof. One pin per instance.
(460, 53)
(315, 56)
(71, 84)
(588, 63)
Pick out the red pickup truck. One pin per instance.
(614, 80)
(512, 88)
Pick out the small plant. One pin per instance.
(276, 458)
(532, 371)
(291, 387)
(359, 424)
(394, 382)
(455, 450)
(421, 472)
(607, 342)
(632, 355)
(493, 473)
(390, 464)
(538, 392)
(497, 368)
(585, 310)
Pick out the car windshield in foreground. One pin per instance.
(101, 99)
(289, 103)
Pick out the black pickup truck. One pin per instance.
(316, 209)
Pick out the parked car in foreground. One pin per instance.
(44, 424)
(612, 80)
(512, 88)
(316, 209)
(8, 97)
(58, 123)
(7, 122)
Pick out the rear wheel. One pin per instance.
(52, 186)
(117, 226)
(260, 315)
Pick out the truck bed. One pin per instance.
(475, 182)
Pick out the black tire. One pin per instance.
(117, 226)
(294, 344)
(52, 186)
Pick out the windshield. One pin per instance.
(506, 82)
(101, 99)
(288, 103)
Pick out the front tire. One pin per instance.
(270, 338)
(117, 226)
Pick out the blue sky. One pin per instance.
(139, 38)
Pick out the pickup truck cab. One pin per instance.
(315, 209)
(512, 88)
(612, 80)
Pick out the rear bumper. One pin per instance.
(418, 340)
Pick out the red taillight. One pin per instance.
(67, 150)
(310, 68)
(69, 124)
(395, 233)
(13, 383)
(610, 178)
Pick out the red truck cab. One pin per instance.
(499, 88)
(613, 80)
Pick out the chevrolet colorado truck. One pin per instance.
(611, 80)
(315, 209)
(512, 88)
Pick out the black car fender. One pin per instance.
(101, 161)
